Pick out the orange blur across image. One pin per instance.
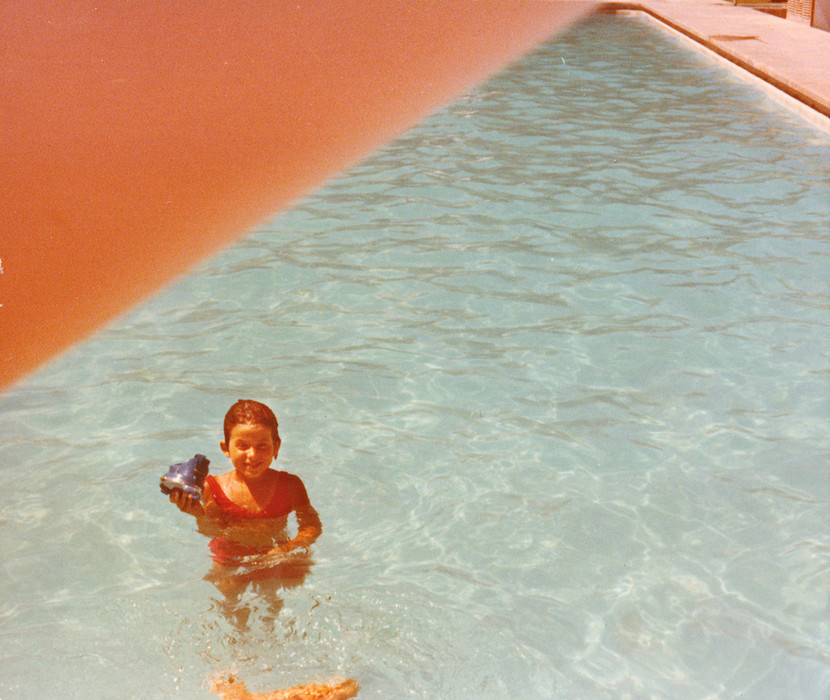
(139, 138)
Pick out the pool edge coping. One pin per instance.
(788, 87)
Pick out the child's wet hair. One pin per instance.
(249, 412)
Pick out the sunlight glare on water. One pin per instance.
(553, 367)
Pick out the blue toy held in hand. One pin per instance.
(187, 476)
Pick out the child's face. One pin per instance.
(251, 449)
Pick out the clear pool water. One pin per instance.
(554, 368)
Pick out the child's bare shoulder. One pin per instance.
(294, 485)
(221, 481)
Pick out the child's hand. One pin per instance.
(279, 554)
(185, 503)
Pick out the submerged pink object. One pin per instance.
(139, 138)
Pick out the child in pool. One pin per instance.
(246, 509)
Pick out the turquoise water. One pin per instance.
(553, 367)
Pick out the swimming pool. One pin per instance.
(553, 367)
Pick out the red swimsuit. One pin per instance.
(278, 506)
(227, 552)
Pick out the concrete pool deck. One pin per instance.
(788, 55)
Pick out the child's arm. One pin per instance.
(309, 527)
(205, 524)
(308, 530)
(308, 522)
